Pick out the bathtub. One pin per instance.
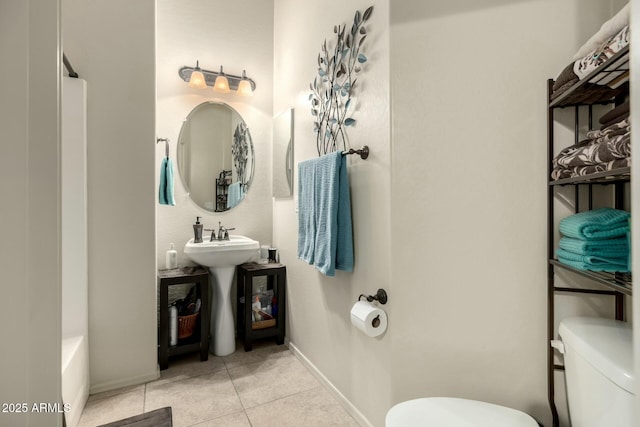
(75, 382)
(75, 326)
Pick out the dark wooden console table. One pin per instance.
(199, 341)
(248, 330)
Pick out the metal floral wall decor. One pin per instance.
(331, 90)
(240, 151)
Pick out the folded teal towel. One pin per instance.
(608, 248)
(165, 192)
(235, 194)
(325, 237)
(594, 260)
(604, 266)
(604, 223)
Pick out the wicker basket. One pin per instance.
(186, 325)
(263, 324)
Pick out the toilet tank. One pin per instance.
(598, 360)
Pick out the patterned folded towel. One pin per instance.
(566, 77)
(601, 146)
(607, 248)
(603, 223)
(561, 172)
(583, 67)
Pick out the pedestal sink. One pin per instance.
(222, 256)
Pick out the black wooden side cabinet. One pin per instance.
(267, 324)
(199, 341)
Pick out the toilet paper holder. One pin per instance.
(380, 296)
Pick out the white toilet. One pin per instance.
(454, 412)
(598, 362)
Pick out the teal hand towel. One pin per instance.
(608, 248)
(604, 223)
(620, 262)
(235, 194)
(165, 192)
(325, 236)
(600, 266)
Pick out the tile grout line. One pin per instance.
(244, 411)
(144, 398)
(286, 396)
(237, 394)
(186, 377)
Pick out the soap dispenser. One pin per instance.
(171, 260)
(197, 231)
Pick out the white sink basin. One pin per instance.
(222, 256)
(222, 253)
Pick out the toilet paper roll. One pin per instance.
(369, 319)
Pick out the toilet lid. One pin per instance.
(454, 412)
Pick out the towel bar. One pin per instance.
(363, 152)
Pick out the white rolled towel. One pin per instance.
(608, 30)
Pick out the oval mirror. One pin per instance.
(215, 156)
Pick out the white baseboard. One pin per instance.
(125, 382)
(346, 403)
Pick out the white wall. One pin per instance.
(469, 193)
(30, 213)
(239, 36)
(318, 307)
(112, 46)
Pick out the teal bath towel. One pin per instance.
(604, 266)
(165, 192)
(608, 248)
(593, 262)
(325, 237)
(604, 223)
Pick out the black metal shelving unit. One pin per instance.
(584, 95)
(222, 190)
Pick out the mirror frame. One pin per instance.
(286, 119)
(250, 172)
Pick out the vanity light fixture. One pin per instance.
(196, 79)
(244, 87)
(242, 84)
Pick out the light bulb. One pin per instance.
(221, 84)
(244, 88)
(197, 78)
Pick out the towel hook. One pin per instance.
(166, 145)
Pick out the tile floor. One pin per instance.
(265, 387)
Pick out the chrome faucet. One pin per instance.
(223, 232)
(213, 233)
